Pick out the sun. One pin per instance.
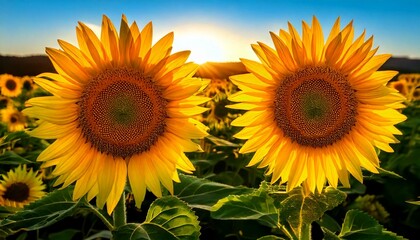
(205, 42)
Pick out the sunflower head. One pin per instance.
(13, 118)
(316, 108)
(218, 118)
(27, 83)
(10, 85)
(401, 86)
(5, 102)
(120, 107)
(408, 85)
(20, 187)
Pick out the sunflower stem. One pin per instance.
(289, 232)
(101, 216)
(305, 232)
(119, 215)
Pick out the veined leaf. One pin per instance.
(299, 210)
(44, 212)
(270, 237)
(168, 218)
(360, 225)
(202, 193)
(146, 231)
(11, 158)
(175, 216)
(256, 206)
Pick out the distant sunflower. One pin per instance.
(316, 109)
(5, 102)
(14, 119)
(20, 187)
(10, 85)
(401, 86)
(27, 83)
(120, 107)
(218, 117)
(408, 85)
(217, 86)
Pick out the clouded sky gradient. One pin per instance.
(214, 30)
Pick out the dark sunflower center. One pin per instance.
(18, 192)
(27, 85)
(220, 110)
(13, 119)
(315, 106)
(122, 112)
(3, 103)
(11, 84)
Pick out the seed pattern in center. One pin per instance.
(122, 112)
(18, 192)
(315, 106)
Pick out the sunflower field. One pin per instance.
(126, 139)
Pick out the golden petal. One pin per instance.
(105, 180)
(136, 173)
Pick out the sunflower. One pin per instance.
(20, 187)
(120, 107)
(14, 119)
(316, 110)
(218, 117)
(219, 86)
(401, 86)
(408, 85)
(5, 102)
(27, 83)
(11, 86)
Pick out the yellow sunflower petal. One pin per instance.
(315, 110)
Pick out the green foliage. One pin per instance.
(255, 206)
(300, 211)
(52, 208)
(359, 225)
(12, 158)
(292, 212)
(270, 237)
(167, 218)
(201, 193)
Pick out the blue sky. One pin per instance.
(214, 30)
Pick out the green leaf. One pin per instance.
(175, 216)
(145, 231)
(360, 225)
(327, 222)
(66, 234)
(167, 218)
(256, 206)
(300, 211)
(11, 158)
(329, 235)
(44, 212)
(387, 173)
(104, 234)
(221, 142)
(414, 202)
(270, 237)
(202, 193)
(229, 177)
